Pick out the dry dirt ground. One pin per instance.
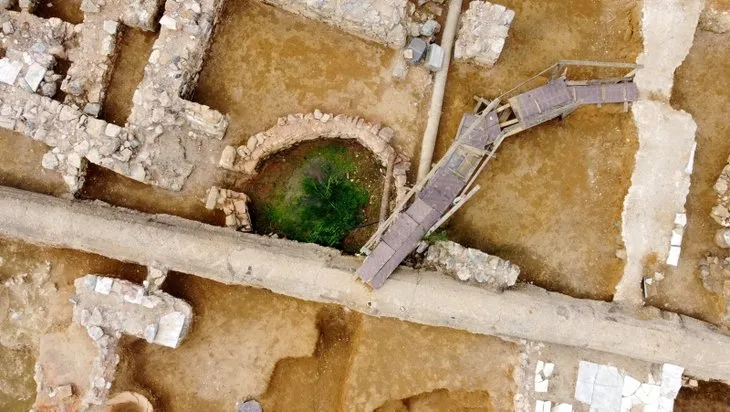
(702, 88)
(552, 200)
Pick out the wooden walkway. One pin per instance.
(446, 188)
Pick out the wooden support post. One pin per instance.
(386, 188)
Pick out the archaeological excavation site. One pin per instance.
(365, 205)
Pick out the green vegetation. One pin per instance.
(322, 205)
(440, 235)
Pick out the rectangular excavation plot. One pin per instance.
(551, 201)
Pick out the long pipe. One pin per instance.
(439, 87)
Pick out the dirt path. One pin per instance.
(702, 88)
(552, 200)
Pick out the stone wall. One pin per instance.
(297, 128)
(161, 141)
(381, 21)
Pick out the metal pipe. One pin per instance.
(439, 87)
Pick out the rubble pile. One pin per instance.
(472, 265)
(715, 275)
(32, 46)
(715, 17)
(482, 33)
(721, 212)
(233, 204)
(377, 20)
(296, 128)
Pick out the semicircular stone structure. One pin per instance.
(297, 128)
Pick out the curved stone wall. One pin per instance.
(297, 128)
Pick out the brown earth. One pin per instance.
(702, 88)
(708, 397)
(66, 10)
(552, 200)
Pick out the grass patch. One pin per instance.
(321, 204)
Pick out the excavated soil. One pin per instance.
(707, 397)
(66, 10)
(135, 47)
(702, 88)
(551, 202)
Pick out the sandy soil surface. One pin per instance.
(702, 88)
(551, 201)
(135, 47)
(20, 165)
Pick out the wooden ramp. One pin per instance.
(480, 133)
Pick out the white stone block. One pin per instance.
(9, 70)
(563, 407)
(587, 372)
(35, 75)
(680, 219)
(631, 385)
(168, 22)
(673, 258)
(170, 329)
(103, 285)
(435, 57)
(671, 381)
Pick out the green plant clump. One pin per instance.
(327, 207)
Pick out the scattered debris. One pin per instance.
(473, 265)
(721, 212)
(233, 204)
(249, 406)
(483, 32)
(543, 372)
(606, 389)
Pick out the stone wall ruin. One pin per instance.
(160, 142)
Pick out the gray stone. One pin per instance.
(418, 49)
(9, 70)
(88, 6)
(249, 406)
(430, 28)
(95, 332)
(468, 264)
(49, 161)
(435, 57)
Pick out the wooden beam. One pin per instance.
(453, 210)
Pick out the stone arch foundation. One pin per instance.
(297, 128)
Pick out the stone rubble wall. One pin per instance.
(472, 265)
(32, 46)
(168, 125)
(73, 136)
(297, 128)
(109, 308)
(159, 144)
(381, 21)
(233, 204)
(665, 159)
(721, 212)
(483, 31)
